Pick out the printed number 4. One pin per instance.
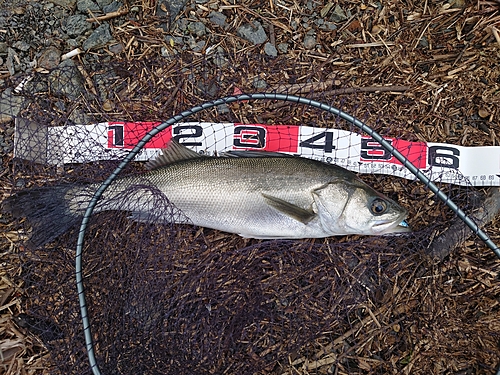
(327, 146)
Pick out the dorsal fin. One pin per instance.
(172, 153)
(253, 154)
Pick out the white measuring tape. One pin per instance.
(478, 166)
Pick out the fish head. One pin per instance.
(352, 207)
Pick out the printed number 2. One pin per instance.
(311, 142)
(189, 132)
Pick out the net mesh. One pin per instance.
(167, 298)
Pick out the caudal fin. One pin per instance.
(47, 210)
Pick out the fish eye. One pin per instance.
(378, 206)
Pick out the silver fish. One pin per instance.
(254, 194)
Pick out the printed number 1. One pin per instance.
(311, 142)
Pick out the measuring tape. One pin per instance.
(478, 166)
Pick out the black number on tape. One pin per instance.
(249, 136)
(440, 159)
(327, 146)
(189, 132)
(117, 131)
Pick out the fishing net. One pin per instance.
(173, 298)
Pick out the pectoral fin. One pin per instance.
(296, 212)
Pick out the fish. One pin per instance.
(254, 194)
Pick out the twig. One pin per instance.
(353, 90)
(107, 16)
(495, 34)
(321, 86)
(458, 232)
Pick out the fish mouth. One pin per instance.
(398, 226)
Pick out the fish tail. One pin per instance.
(49, 210)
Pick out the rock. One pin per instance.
(259, 83)
(70, 4)
(220, 60)
(99, 38)
(21, 45)
(423, 42)
(113, 7)
(223, 109)
(103, 3)
(77, 25)
(253, 32)
(3, 47)
(50, 58)
(323, 12)
(36, 86)
(78, 116)
(283, 47)
(85, 5)
(217, 18)
(338, 14)
(10, 61)
(10, 105)
(116, 48)
(66, 81)
(194, 45)
(309, 41)
(172, 6)
(197, 28)
(270, 50)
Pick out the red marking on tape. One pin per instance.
(415, 152)
(126, 135)
(271, 138)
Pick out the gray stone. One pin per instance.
(220, 60)
(3, 47)
(167, 52)
(73, 43)
(174, 40)
(173, 7)
(78, 116)
(10, 60)
(259, 83)
(116, 48)
(223, 109)
(50, 58)
(283, 47)
(103, 3)
(10, 105)
(66, 81)
(423, 42)
(309, 42)
(69, 4)
(99, 38)
(338, 14)
(253, 32)
(85, 5)
(77, 25)
(36, 86)
(217, 18)
(21, 45)
(330, 26)
(197, 28)
(113, 7)
(270, 50)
